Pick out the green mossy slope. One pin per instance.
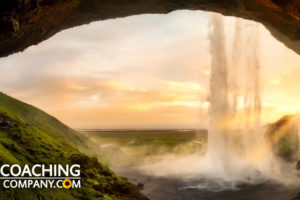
(30, 136)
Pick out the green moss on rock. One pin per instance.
(30, 136)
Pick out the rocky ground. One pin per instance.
(161, 188)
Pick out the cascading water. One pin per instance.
(234, 98)
(218, 136)
(237, 150)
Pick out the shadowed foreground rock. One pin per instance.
(27, 22)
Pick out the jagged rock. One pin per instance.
(140, 185)
(6, 123)
(297, 197)
(298, 165)
(27, 22)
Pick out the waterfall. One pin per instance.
(218, 97)
(235, 102)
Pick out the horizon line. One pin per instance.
(37, 178)
(140, 129)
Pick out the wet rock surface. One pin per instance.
(172, 188)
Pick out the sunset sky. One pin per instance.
(146, 71)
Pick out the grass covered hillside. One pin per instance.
(31, 136)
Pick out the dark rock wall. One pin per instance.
(27, 22)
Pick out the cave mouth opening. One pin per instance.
(173, 48)
(141, 72)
